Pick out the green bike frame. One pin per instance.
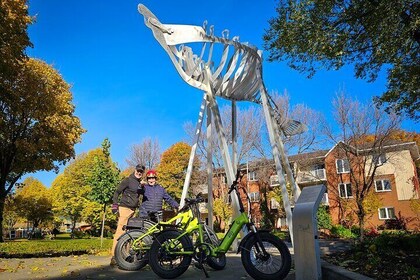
(187, 222)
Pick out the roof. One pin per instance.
(311, 155)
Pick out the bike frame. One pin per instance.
(234, 229)
(187, 222)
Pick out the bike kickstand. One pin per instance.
(205, 271)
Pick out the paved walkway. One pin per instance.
(97, 267)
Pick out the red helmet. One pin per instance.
(151, 174)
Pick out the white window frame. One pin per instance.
(252, 176)
(254, 196)
(380, 159)
(388, 216)
(382, 182)
(343, 161)
(346, 185)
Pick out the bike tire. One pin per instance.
(278, 264)
(217, 263)
(169, 266)
(128, 259)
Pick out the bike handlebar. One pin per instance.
(238, 177)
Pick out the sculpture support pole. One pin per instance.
(223, 148)
(277, 158)
(285, 161)
(193, 150)
(209, 167)
(234, 138)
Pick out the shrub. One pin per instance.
(324, 218)
(57, 247)
(342, 232)
(399, 223)
(372, 232)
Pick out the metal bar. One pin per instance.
(209, 168)
(277, 158)
(193, 150)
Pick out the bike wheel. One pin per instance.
(217, 263)
(275, 265)
(129, 257)
(164, 260)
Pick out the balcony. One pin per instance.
(274, 181)
(311, 176)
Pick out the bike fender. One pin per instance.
(248, 236)
(130, 231)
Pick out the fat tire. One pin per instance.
(156, 255)
(250, 266)
(123, 258)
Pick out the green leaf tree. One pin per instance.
(173, 167)
(371, 35)
(103, 180)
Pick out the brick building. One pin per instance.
(394, 189)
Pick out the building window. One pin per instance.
(252, 176)
(382, 185)
(274, 204)
(343, 166)
(386, 213)
(344, 190)
(379, 159)
(254, 196)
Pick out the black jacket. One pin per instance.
(129, 190)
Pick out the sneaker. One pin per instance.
(113, 262)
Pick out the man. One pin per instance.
(127, 193)
(154, 195)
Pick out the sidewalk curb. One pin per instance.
(333, 272)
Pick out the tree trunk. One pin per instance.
(361, 225)
(103, 225)
(2, 200)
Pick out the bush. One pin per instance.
(324, 218)
(283, 235)
(398, 223)
(56, 247)
(342, 232)
(398, 240)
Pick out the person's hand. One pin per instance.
(114, 208)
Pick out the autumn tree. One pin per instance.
(38, 129)
(14, 22)
(103, 179)
(173, 167)
(355, 121)
(10, 213)
(223, 212)
(146, 153)
(32, 202)
(71, 189)
(371, 35)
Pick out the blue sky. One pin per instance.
(125, 86)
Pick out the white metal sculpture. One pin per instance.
(236, 77)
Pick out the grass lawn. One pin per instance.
(62, 245)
